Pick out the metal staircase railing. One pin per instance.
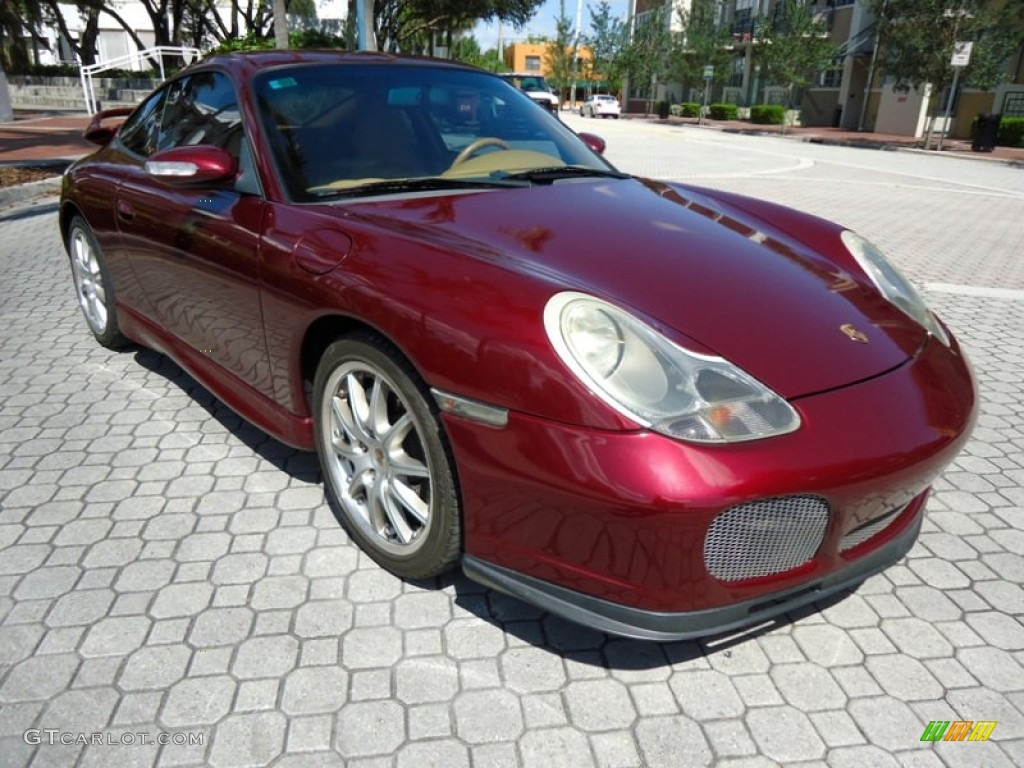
(86, 73)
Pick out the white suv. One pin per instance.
(534, 86)
(601, 105)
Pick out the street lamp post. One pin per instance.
(575, 53)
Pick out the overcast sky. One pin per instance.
(543, 23)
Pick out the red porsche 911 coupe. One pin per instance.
(655, 409)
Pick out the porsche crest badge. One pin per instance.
(853, 334)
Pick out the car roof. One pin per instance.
(248, 63)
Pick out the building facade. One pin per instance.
(856, 94)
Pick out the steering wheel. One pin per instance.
(476, 146)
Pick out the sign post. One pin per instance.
(961, 58)
(709, 74)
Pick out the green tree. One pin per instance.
(302, 15)
(466, 49)
(19, 22)
(608, 36)
(560, 55)
(916, 39)
(647, 58)
(702, 42)
(796, 47)
(401, 24)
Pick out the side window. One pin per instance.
(203, 110)
(141, 131)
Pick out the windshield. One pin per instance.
(342, 126)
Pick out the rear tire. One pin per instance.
(386, 462)
(93, 286)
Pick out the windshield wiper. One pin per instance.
(555, 172)
(413, 185)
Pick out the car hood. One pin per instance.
(708, 273)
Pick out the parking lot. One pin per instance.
(174, 591)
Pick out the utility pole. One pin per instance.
(6, 112)
(871, 67)
(280, 25)
(576, 53)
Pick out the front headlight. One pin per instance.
(894, 286)
(657, 383)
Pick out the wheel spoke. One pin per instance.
(347, 442)
(394, 437)
(361, 484)
(378, 411)
(404, 465)
(359, 407)
(99, 312)
(401, 462)
(410, 501)
(399, 525)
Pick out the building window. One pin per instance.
(533, 63)
(833, 76)
(1013, 105)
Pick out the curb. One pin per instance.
(29, 190)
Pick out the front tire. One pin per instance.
(93, 287)
(386, 464)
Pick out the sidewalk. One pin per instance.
(838, 137)
(41, 138)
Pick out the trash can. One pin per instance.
(986, 131)
(663, 110)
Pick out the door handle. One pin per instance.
(125, 210)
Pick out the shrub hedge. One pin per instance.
(767, 114)
(686, 109)
(1011, 132)
(723, 111)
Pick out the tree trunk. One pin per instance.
(931, 117)
(280, 25)
(87, 45)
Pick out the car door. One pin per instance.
(195, 249)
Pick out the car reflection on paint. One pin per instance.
(659, 410)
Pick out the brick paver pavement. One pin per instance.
(166, 568)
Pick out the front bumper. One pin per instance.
(610, 528)
(662, 626)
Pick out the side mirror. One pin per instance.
(199, 164)
(97, 133)
(596, 143)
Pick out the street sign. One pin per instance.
(709, 72)
(961, 54)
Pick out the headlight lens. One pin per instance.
(657, 383)
(894, 286)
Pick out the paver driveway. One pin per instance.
(165, 568)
